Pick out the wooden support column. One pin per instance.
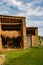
(24, 33)
(36, 33)
(35, 39)
(0, 37)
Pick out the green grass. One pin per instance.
(31, 56)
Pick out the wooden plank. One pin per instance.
(11, 23)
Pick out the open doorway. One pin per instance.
(11, 42)
(29, 41)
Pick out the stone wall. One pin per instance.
(35, 39)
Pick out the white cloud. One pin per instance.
(5, 12)
(36, 12)
(13, 2)
(34, 23)
(28, 9)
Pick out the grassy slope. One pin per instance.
(32, 56)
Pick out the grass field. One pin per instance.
(31, 56)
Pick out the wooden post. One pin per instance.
(24, 33)
(0, 37)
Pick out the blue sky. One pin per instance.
(31, 9)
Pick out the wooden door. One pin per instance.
(29, 41)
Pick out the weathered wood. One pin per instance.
(11, 23)
(16, 23)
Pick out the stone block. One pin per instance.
(2, 59)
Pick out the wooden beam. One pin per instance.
(11, 23)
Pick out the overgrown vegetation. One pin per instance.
(31, 56)
(40, 38)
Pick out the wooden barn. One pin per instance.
(14, 34)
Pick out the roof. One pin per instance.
(31, 27)
(13, 17)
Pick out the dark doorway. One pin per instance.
(11, 42)
(17, 42)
